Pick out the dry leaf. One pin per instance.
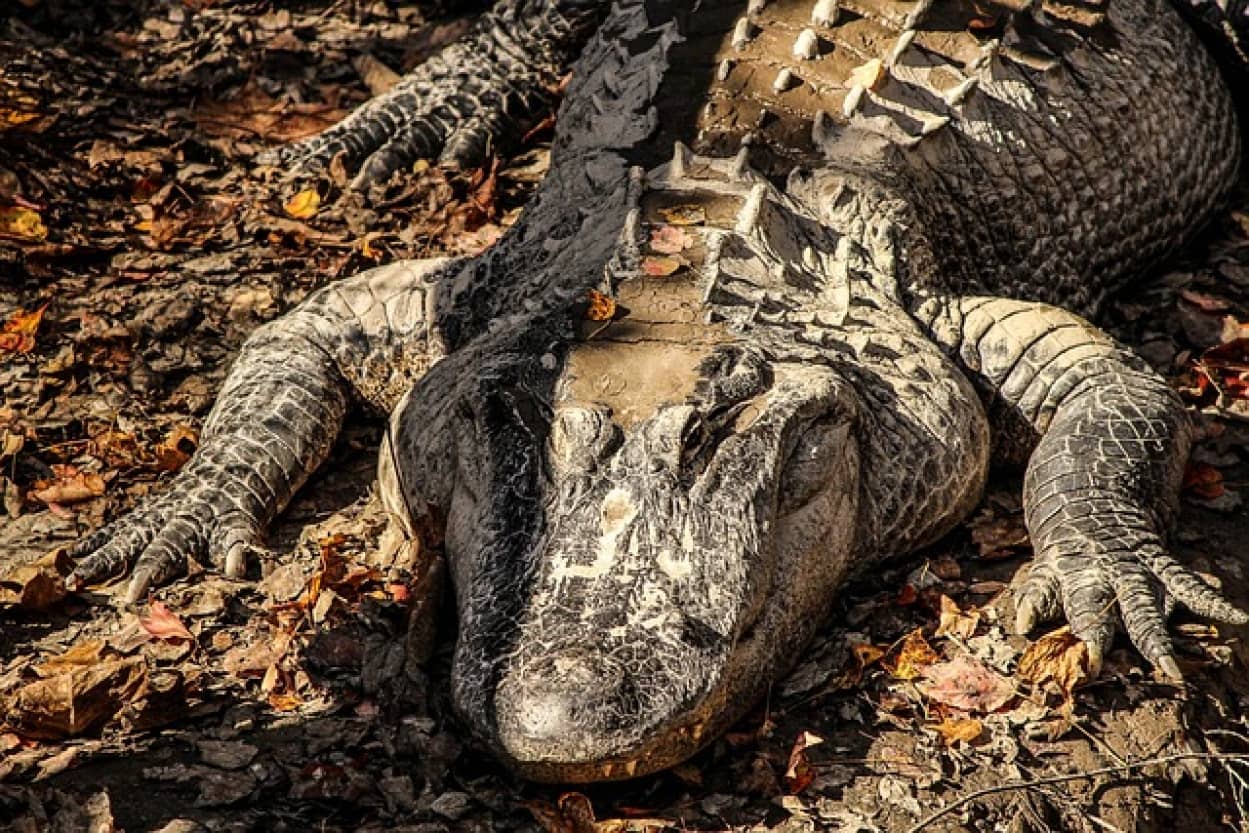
(80, 655)
(602, 307)
(1058, 656)
(955, 622)
(913, 654)
(72, 703)
(18, 333)
(669, 240)
(684, 215)
(162, 623)
(1203, 481)
(868, 75)
(72, 486)
(17, 221)
(954, 729)
(177, 447)
(660, 267)
(303, 205)
(966, 684)
(799, 774)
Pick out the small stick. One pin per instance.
(1061, 779)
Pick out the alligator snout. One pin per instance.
(562, 710)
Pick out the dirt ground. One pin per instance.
(139, 244)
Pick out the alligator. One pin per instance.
(799, 272)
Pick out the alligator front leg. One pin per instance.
(476, 94)
(1109, 441)
(274, 422)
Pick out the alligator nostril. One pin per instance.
(558, 707)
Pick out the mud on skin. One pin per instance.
(895, 274)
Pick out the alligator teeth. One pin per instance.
(722, 73)
(851, 104)
(755, 6)
(696, 732)
(630, 768)
(824, 13)
(741, 163)
(806, 45)
(752, 207)
(742, 33)
(785, 80)
(607, 768)
(958, 94)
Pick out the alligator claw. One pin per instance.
(1089, 588)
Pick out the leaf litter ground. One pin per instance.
(139, 244)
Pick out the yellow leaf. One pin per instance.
(868, 75)
(955, 622)
(303, 205)
(22, 222)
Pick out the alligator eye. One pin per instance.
(807, 469)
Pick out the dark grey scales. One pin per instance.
(889, 289)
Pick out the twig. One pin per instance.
(1223, 757)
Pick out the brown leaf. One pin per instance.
(1059, 657)
(34, 586)
(79, 655)
(602, 307)
(162, 623)
(18, 333)
(955, 622)
(799, 774)
(1203, 481)
(74, 702)
(954, 729)
(913, 654)
(966, 684)
(303, 205)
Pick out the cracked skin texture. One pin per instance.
(645, 519)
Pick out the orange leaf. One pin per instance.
(18, 333)
(1058, 656)
(602, 307)
(177, 447)
(954, 729)
(72, 487)
(684, 215)
(913, 654)
(162, 623)
(954, 622)
(660, 267)
(1203, 481)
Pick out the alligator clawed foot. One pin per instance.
(1141, 585)
(153, 544)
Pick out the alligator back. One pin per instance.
(1048, 154)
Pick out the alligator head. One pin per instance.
(632, 568)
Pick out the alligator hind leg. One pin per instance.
(1108, 442)
(277, 415)
(479, 92)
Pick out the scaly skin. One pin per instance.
(885, 290)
